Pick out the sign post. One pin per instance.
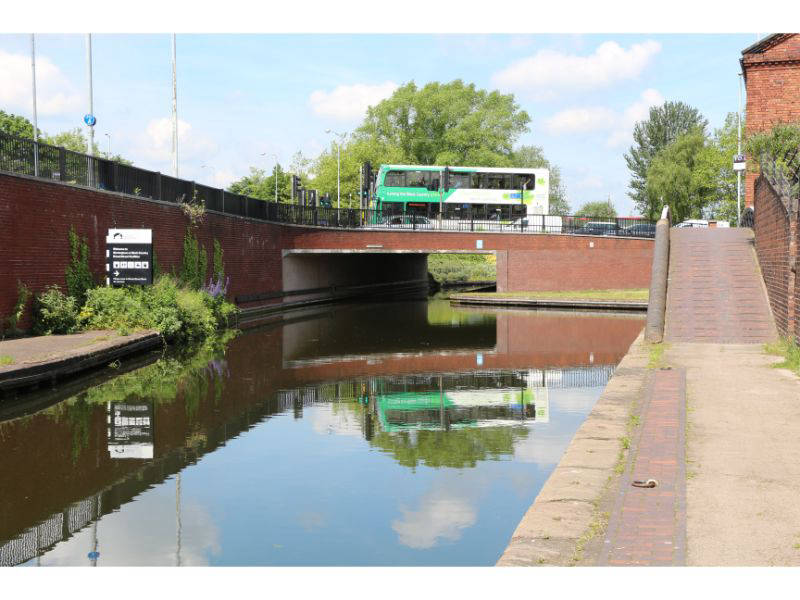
(129, 257)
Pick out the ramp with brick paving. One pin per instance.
(715, 295)
(715, 292)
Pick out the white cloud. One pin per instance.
(54, 93)
(349, 102)
(638, 111)
(549, 71)
(440, 516)
(156, 143)
(580, 120)
(328, 419)
(599, 118)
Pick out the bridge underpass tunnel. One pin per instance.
(343, 273)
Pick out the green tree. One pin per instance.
(600, 209)
(714, 170)
(75, 140)
(260, 185)
(780, 145)
(532, 157)
(665, 124)
(16, 125)
(354, 152)
(447, 124)
(675, 178)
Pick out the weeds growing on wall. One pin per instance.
(195, 262)
(218, 265)
(23, 295)
(78, 275)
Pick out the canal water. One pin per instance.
(407, 433)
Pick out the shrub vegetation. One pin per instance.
(447, 268)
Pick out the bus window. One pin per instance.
(395, 179)
(518, 210)
(479, 181)
(496, 181)
(527, 179)
(418, 178)
(459, 180)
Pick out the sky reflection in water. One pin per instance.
(416, 440)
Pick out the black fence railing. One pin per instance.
(26, 157)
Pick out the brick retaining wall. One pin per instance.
(776, 239)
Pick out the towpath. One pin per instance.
(718, 426)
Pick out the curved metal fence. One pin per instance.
(35, 159)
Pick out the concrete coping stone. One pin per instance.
(566, 506)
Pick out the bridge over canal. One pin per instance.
(289, 260)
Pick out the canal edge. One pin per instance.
(569, 515)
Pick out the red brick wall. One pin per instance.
(35, 217)
(772, 247)
(772, 78)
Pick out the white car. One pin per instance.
(693, 223)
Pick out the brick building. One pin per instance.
(771, 70)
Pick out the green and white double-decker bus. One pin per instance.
(476, 193)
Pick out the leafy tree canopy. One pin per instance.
(448, 124)
(675, 178)
(457, 449)
(16, 125)
(665, 124)
(260, 185)
(599, 209)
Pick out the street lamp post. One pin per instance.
(275, 156)
(108, 154)
(35, 119)
(739, 151)
(338, 164)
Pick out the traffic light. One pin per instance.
(296, 186)
(446, 179)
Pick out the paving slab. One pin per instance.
(32, 360)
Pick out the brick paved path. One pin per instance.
(647, 526)
(715, 293)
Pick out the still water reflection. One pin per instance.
(364, 434)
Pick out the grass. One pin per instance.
(622, 295)
(5, 359)
(656, 356)
(790, 352)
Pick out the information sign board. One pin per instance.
(129, 257)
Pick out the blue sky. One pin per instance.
(240, 96)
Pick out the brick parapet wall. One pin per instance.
(773, 233)
(772, 77)
(35, 218)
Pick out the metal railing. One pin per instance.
(35, 159)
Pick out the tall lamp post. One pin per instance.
(275, 156)
(739, 151)
(35, 119)
(338, 164)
